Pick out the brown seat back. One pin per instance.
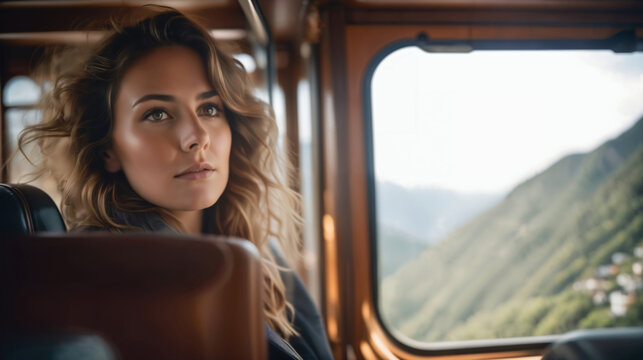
(149, 296)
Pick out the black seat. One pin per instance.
(598, 344)
(25, 209)
(56, 345)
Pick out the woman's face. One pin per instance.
(170, 134)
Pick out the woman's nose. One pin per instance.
(193, 135)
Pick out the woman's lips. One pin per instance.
(196, 171)
(195, 175)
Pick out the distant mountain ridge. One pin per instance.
(550, 231)
(427, 214)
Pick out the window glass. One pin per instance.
(508, 192)
(17, 120)
(247, 61)
(20, 90)
(20, 95)
(309, 186)
(279, 106)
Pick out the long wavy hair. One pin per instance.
(77, 128)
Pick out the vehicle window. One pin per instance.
(20, 97)
(508, 192)
(20, 91)
(309, 186)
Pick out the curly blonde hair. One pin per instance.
(78, 122)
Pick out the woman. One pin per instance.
(161, 132)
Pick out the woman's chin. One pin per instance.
(200, 203)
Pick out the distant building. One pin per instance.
(604, 271)
(618, 303)
(629, 283)
(624, 280)
(618, 258)
(600, 298)
(591, 285)
(637, 268)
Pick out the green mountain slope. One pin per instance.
(526, 252)
(398, 248)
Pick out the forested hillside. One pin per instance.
(519, 268)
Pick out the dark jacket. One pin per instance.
(311, 343)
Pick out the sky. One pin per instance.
(484, 122)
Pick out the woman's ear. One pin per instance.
(112, 164)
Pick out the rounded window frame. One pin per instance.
(622, 42)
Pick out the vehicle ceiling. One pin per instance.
(284, 17)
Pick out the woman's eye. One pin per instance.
(156, 115)
(210, 110)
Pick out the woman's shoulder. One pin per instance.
(312, 342)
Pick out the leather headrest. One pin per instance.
(25, 209)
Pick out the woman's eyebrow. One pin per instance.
(154, 97)
(163, 97)
(207, 94)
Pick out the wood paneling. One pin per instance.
(288, 68)
(18, 20)
(601, 5)
(283, 17)
(497, 17)
(336, 202)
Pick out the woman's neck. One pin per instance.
(192, 221)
